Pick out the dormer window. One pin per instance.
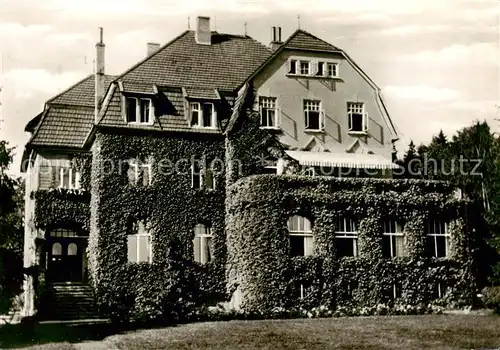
(203, 114)
(139, 110)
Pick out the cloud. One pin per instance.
(457, 54)
(421, 92)
(16, 29)
(25, 83)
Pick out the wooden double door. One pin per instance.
(65, 259)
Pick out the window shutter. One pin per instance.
(192, 176)
(132, 248)
(314, 68)
(365, 121)
(349, 119)
(278, 116)
(77, 179)
(306, 114)
(214, 116)
(262, 121)
(322, 119)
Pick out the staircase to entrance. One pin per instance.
(70, 301)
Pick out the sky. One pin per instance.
(436, 61)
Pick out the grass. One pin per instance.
(409, 332)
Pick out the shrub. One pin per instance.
(491, 298)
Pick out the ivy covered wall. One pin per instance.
(173, 283)
(260, 264)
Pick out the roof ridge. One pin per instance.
(315, 37)
(152, 55)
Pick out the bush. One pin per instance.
(491, 298)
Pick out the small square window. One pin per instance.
(331, 70)
(304, 67)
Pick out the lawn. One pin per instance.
(396, 332)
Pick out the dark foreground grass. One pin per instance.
(398, 332)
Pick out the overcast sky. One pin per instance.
(435, 60)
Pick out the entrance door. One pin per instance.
(65, 256)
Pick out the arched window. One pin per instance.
(56, 249)
(202, 244)
(72, 249)
(300, 236)
(139, 243)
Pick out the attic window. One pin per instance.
(139, 110)
(203, 114)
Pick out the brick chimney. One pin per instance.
(99, 74)
(203, 34)
(275, 38)
(152, 48)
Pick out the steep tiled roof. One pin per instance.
(68, 117)
(223, 65)
(80, 94)
(202, 93)
(170, 116)
(306, 41)
(63, 126)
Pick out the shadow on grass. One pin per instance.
(32, 333)
(23, 335)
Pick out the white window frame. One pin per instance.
(349, 234)
(203, 243)
(202, 175)
(357, 108)
(148, 166)
(434, 235)
(266, 104)
(326, 69)
(306, 233)
(398, 233)
(71, 185)
(314, 106)
(138, 111)
(309, 67)
(138, 240)
(197, 106)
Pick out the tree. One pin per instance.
(471, 161)
(11, 231)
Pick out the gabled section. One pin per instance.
(315, 145)
(358, 147)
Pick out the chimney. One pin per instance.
(203, 34)
(152, 48)
(275, 38)
(99, 74)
